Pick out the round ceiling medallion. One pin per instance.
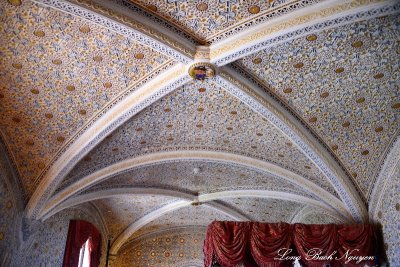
(48, 115)
(254, 9)
(365, 152)
(39, 33)
(202, 90)
(346, 124)
(202, 6)
(257, 60)
(82, 112)
(139, 129)
(229, 128)
(35, 91)
(41, 165)
(152, 8)
(56, 61)
(15, 2)
(201, 71)
(17, 66)
(29, 142)
(378, 76)
(311, 37)
(97, 58)
(84, 29)
(200, 109)
(396, 106)
(169, 125)
(360, 100)
(70, 88)
(324, 95)
(357, 44)
(287, 90)
(379, 129)
(354, 174)
(313, 119)
(339, 70)
(139, 56)
(334, 147)
(107, 85)
(298, 65)
(60, 139)
(142, 142)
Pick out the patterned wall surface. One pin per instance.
(8, 221)
(129, 209)
(317, 216)
(344, 82)
(389, 217)
(199, 176)
(201, 215)
(55, 75)
(209, 20)
(178, 248)
(266, 210)
(44, 243)
(199, 116)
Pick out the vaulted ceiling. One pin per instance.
(97, 106)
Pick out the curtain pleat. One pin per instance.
(233, 244)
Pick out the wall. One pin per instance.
(178, 247)
(8, 223)
(388, 216)
(44, 242)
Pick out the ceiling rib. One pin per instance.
(161, 157)
(112, 119)
(269, 108)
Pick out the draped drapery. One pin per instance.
(78, 233)
(279, 244)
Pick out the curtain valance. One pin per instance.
(249, 244)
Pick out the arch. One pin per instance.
(317, 17)
(94, 134)
(392, 162)
(121, 239)
(252, 95)
(162, 157)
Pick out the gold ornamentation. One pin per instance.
(60, 139)
(311, 37)
(202, 90)
(346, 124)
(312, 119)
(201, 71)
(298, 65)
(365, 152)
(287, 90)
(357, 44)
(15, 2)
(360, 100)
(254, 9)
(378, 76)
(339, 70)
(48, 115)
(35, 91)
(396, 105)
(17, 66)
(97, 58)
(39, 33)
(84, 29)
(257, 60)
(139, 56)
(152, 8)
(324, 95)
(379, 129)
(107, 85)
(202, 6)
(57, 62)
(82, 112)
(70, 88)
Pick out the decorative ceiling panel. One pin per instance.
(344, 82)
(199, 177)
(199, 116)
(178, 247)
(264, 209)
(58, 71)
(119, 212)
(188, 216)
(319, 217)
(209, 21)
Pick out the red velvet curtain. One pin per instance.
(78, 233)
(279, 244)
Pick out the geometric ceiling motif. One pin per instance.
(209, 21)
(129, 209)
(266, 210)
(198, 177)
(344, 82)
(319, 217)
(199, 116)
(56, 72)
(188, 216)
(179, 248)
